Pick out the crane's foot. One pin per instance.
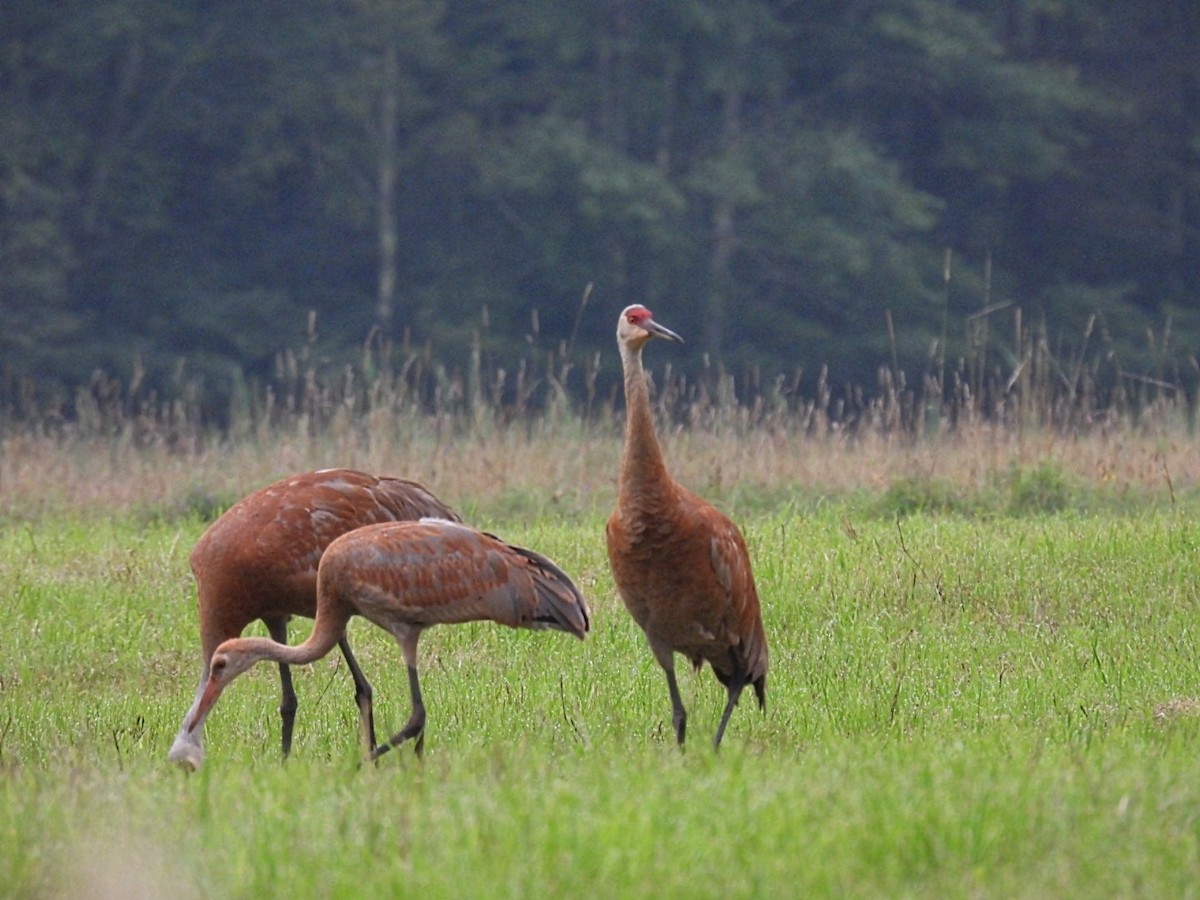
(418, 747)
(415, 730)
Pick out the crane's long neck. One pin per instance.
(642, 463)
(327, 631)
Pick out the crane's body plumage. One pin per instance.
(406, 577)
(439, 573)
(259, 560)
(680, 565)
(703, 604)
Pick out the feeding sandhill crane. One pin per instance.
(405, 577)
(259, 561)
(680, 565)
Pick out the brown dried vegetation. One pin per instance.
(492, 444)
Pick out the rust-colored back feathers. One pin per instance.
(273, 539)
(436, 572)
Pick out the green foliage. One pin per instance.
(1022, 490)
(1042, 489)
(915, 494)
(186, 185)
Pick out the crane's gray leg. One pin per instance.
(287, 705)
(735, 692)
(415, 727)
(362, 695)
(666, 658)
(678, 713)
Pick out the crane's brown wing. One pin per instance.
(731, 565)
(320, 506)
(408, 499)
(284, 528)
(436, 571)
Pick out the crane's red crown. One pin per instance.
(637, 325)
(637, 314)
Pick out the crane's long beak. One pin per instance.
(211, 693)
(661, 331)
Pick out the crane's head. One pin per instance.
(637, 325)
(229, 661)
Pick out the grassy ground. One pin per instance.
(982, 704)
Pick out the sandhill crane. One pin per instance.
(680, 565)
(259, 561)
(405, 577)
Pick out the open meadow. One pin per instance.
(983, 679)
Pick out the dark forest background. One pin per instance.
(190, 191)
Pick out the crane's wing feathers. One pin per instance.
(560, 603)
(437, 571)
(731, 565)
(286, 526)
(411, 500)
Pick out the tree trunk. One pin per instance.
(388, 238)
(724, 237)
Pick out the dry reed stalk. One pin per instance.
(477, 469)
(482, 438)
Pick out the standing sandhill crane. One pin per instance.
(405, 577)
(680, 565)
(259, 561)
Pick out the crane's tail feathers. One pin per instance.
(560, 604)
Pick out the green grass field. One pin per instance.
(997, 706)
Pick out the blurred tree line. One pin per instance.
(187, 188)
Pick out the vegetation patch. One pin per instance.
(957, 704)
